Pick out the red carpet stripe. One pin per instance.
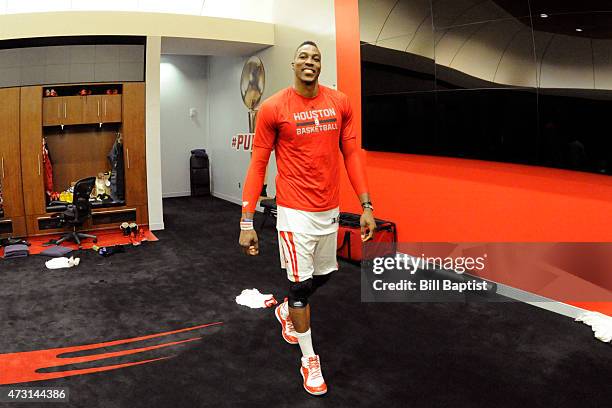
(24, 366)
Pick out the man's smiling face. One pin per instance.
(307, 63)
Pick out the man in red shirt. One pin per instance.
(307, 125)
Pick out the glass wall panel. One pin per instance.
(399, 122)
(491, 82)
(450, 13)
(487, 124)
(390, 71)
(496, 53)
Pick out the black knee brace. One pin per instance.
(299, 293)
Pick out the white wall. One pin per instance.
(228, 115)
(289, 32)
(154, 191)
(183, 82)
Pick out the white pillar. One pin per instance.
(154, 184)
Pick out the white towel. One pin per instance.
(63, 262)
(600, 323)
(253, 299)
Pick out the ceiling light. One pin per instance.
(543, 15)
(579, 30)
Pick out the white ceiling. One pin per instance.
(253, 10)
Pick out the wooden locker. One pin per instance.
(53, 111)
(13, 221)
(73, 109)
(92, 109)
(111, 108)
(102, 109)
(134, 144)
(10, 163)
(13, 227)
(31, 150)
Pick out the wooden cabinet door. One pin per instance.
(73, 109)
(31, 150)
(13, 227)
(134, 143)
(10, 160)
(92, 109)
(19, 227)
(53, 111)
(111, 108)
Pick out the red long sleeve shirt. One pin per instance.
(306, 134)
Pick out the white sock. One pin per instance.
(284, 310)
(305, 342)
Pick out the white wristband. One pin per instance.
(246, 225)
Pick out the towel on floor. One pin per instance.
(600, 323)
(56, 251)
(63, 262)
(16, 251)
(254, 299)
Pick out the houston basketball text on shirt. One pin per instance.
(314, 121)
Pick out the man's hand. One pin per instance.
(368, 225)
(249, 242)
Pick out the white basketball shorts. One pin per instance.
(306, 255)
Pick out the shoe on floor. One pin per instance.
(313, 377)
(287, 329)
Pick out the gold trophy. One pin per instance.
(252, 84)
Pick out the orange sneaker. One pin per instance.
(287, 329)
(313, 378)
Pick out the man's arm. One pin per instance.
(250, 194)
(356, 172)
(263, 144)
(254, 180)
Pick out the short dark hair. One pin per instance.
(308, 42)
